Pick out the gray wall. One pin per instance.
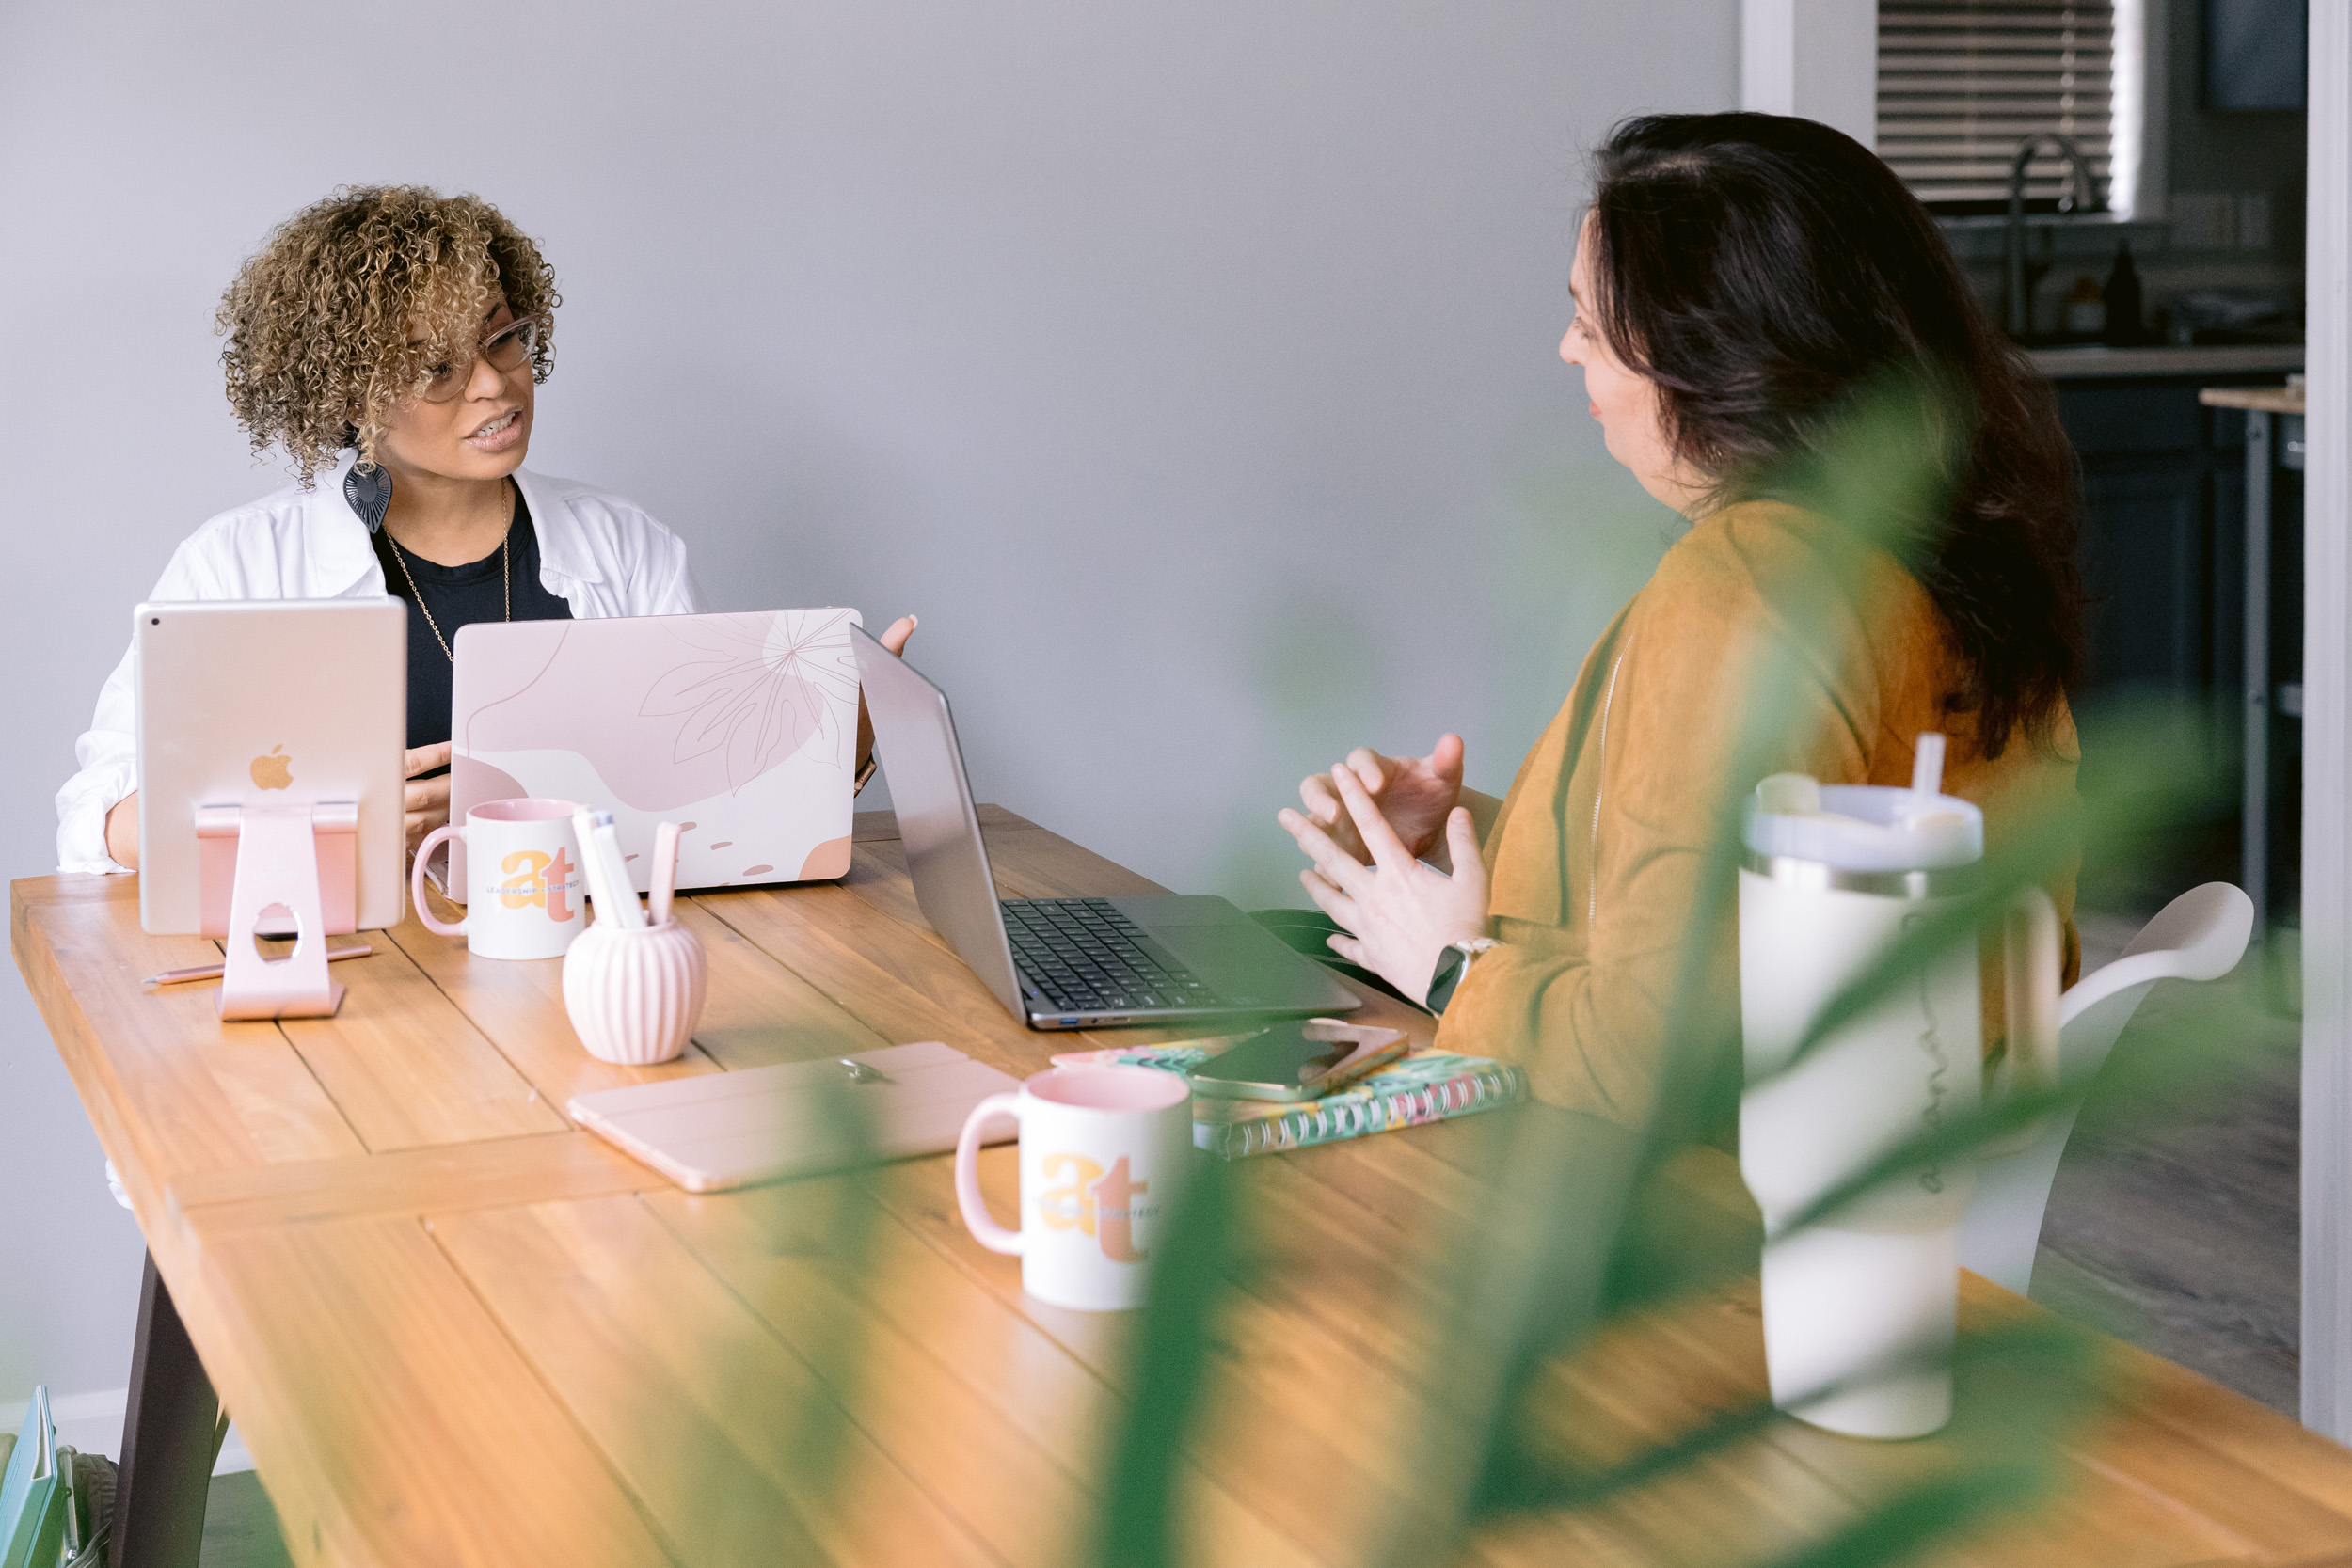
(1188, 367)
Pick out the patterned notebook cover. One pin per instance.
(1428, 1086)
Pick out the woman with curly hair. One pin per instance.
(388, 341)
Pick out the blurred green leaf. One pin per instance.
(1138, 1527)
(1580, 1225)
(1902, 1528)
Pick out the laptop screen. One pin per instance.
(914, 735)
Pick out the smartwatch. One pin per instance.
(1452, 965)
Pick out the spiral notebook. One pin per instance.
(1428, 1086)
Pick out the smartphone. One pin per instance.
(1299, 1060)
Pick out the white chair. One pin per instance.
(2198, 936)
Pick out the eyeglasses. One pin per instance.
(510, 346)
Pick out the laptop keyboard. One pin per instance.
(1080, 955)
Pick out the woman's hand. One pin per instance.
(1414, 794)
(894, 640)
(1402, 914)
(122, 832)
(427, 799)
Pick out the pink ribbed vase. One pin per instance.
(634, 996)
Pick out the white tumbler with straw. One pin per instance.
(1860, 1311)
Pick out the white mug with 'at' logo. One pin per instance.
(1103, 1155)
(525, 890)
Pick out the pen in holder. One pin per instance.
(634, 989)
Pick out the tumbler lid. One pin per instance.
(1863, 827)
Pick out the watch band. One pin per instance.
(866, 775)
(1452, 965)
(1444, 978)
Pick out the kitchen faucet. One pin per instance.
(2081, 195)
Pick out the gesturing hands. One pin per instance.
(1401, 915)
(427, 801)
(1413, 793)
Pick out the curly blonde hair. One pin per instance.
(319, 321)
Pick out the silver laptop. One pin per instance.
(1066, 964)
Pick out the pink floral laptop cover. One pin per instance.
(742, 728)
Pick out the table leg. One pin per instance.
(170, 1434)
(2254, 871)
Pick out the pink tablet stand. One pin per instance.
(300, 858)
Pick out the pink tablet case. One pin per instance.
(742, 728)
(715, 1131)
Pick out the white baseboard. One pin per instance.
(92, 1423)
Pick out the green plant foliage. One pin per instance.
(1580, 1237)
(1592, 1235)
(1138, 1526)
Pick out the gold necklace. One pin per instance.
(506, 584)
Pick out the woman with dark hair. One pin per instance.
(1753, 295)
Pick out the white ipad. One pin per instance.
(717, 1131)
(247, 702)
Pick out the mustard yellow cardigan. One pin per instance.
(1596, 856)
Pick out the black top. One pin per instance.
(459, 596)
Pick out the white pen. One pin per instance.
(625, 905)
(664, 871)
(591, 866)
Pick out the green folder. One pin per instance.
(35, 1493)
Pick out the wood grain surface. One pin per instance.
(456, 1331)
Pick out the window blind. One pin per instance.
(1962, 82)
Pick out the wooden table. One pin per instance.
(454, 1331)
(2266, 408)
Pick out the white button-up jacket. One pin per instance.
(599, 553)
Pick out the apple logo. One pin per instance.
(271, 771)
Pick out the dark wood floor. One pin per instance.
(2180, 1233)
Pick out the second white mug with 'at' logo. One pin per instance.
(1103, 1155)
(525, 891)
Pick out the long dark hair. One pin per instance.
(1768, 274)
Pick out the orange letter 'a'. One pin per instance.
(1069, 1207)
(530, 886)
